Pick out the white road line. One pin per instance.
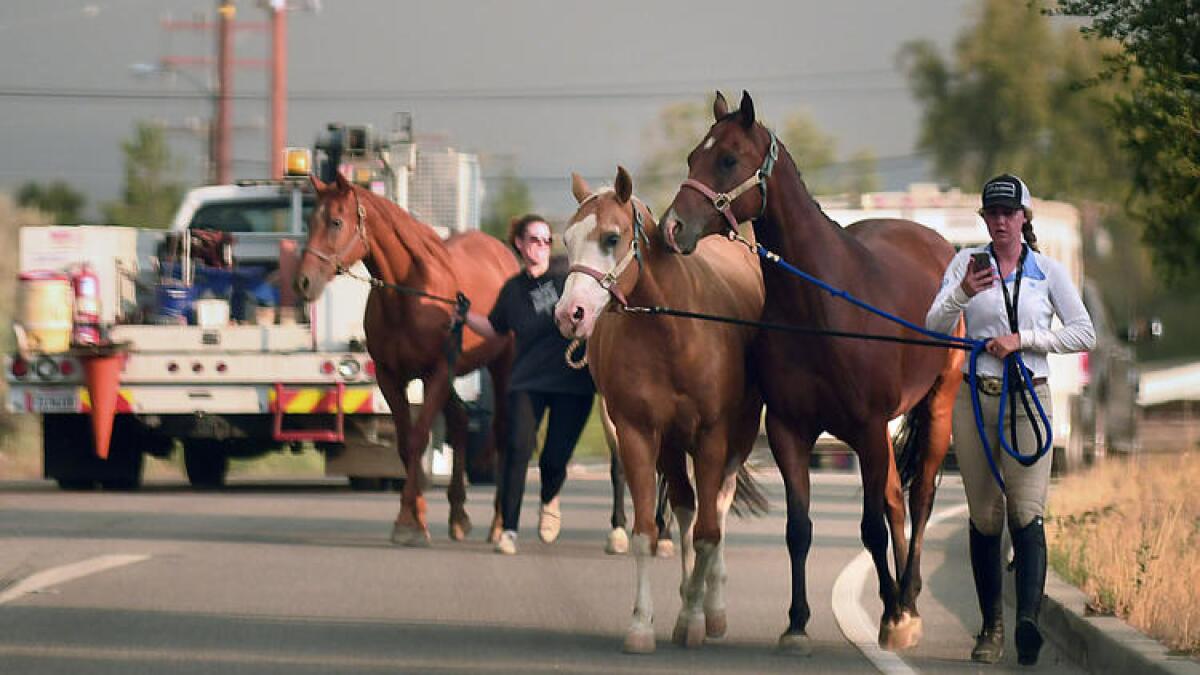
(852, 618)
(65, 573)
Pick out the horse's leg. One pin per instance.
(879, 478)
(500, 369)
(618, 538)
(791, 447)
(409, 528)
(683, 501)
(637, 458)
(412, 527)
(456, 432)
(907, 630)
(937, 410)
(709, 469)
(715, 621)
(664, 548)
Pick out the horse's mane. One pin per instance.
(422, 242)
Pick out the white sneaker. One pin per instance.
(507, 543)
(549, 521)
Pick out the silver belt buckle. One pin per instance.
(989, 385)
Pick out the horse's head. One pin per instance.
(337, 236)
(601, 240)
(727, 177)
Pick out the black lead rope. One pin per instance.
(790, 328)
(1011, 307)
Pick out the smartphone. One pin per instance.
(981, 261)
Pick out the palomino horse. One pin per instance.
(815, 383)
(408, 324)
(673, 386)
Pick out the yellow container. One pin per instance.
(46, 301)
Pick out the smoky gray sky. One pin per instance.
(550, 86)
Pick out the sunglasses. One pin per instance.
(542, 241)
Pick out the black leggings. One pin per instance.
(568, 414)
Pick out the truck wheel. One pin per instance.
(125, 463)
(205, 462)
(70, 456)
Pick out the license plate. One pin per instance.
(53, 401)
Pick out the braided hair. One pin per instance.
(1027, 231)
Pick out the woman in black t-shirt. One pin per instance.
(541, 381)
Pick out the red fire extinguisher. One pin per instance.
(86, 318)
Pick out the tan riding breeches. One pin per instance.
(1025, 487)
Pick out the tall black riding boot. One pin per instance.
(1029, 549)
(986, 566)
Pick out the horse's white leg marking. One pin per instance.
(714, 596)
(640, 638)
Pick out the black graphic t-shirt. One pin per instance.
(526, 307)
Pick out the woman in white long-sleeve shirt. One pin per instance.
(1009, 294)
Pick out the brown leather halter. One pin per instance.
(608, 280)
(336, 258)
(723, 201)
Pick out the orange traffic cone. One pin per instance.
(102, 372)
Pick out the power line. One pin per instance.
(561, 95)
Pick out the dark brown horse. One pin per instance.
(674, 387)
(812, 383)
(409, 334)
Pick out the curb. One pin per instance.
(1100, 644)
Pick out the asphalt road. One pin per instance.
(290, 578)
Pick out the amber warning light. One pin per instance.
(298, 161)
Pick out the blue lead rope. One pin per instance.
(974, 346)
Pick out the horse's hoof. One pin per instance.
(406, 535)
(904, 633)
(666, 548)
(639, 641)
(689, 631)
(715, 623)
(618, 542)
(460, 527)
(795, 644)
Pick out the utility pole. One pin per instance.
(278, 10)
(222, 153)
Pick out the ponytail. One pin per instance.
(1027, 231)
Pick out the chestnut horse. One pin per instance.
(674, 387)
(408, 324)
(816, 383)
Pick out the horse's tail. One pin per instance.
(911, 439)
(748, 497)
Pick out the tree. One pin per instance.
(811, 150)
(1158, 118)
(511, 200)
(150, 196)
(1011, 101)
(863, 173)
(57, 199)
(680, 126)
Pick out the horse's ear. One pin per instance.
(340, 181)
(720, 107)
(317, 183)
(746, 110)
(623, 185)
(580, 188)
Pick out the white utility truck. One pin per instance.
(217, 352)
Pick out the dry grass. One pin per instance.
(1128, 533)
